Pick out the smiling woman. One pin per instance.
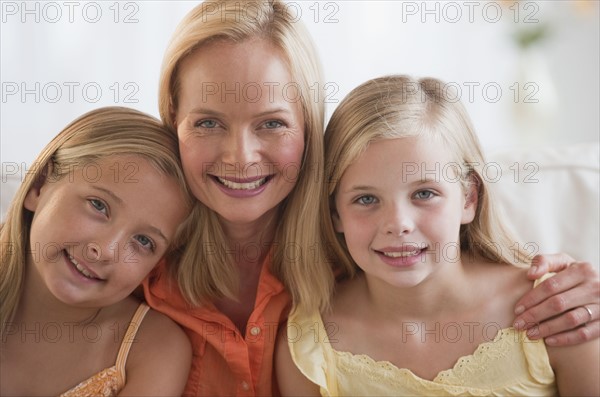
(83, 231)
(237, 92)
(236, 153)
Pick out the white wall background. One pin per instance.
(60, 59)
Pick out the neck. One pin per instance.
(440, 295)
(250, 242)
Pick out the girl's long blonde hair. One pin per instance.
(96, 135)
(393, 107)
(205, 271)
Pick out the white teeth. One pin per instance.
(242, 186)
(81, 269)
(401, 254)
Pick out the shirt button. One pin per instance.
(245, 386)
(255, 331)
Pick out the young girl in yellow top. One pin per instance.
(84, 229)
(427, 305)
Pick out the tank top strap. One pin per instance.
(129, 337)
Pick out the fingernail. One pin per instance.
(532, 332)
(519, 324)
(551, 341)
(520, 309)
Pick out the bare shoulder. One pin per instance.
(502, 285)
(502, 278)
(159, 327)
(160, 358)
(160, 334)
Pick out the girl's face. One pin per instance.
(99, 230)
(241, 129)
(400, 207)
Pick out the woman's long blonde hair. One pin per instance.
(298, 259)
(96, 135)
(393, 107)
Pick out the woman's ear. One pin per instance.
(33, 195)
(471, 200)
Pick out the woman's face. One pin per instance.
(241, 129)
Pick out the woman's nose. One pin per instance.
(242, 148)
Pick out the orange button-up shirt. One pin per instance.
(225, 363)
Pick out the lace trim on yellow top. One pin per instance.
(511, 364)
(110, 381)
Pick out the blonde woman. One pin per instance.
(427, 304)
(83, 231)
(242, 89)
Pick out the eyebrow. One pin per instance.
(158, 232)
(220, 114)
(362, 188)
(276, 110)
(206, 111)
(120, 201)
(109, 192)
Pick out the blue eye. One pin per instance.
(271, 124)
(366, 200)
(424, 195)
(145, 241)
(99, 205)
(206, 124)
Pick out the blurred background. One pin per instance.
(527, 71)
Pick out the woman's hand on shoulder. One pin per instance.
(564, 309)
(160, 359)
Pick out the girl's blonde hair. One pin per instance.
(99, 134)
(205, 271)
(400, 106)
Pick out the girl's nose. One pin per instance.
(104, 247)
(399, 221)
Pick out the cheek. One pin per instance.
(43, 242)
(289, 157)
(135, 269)
(358, 230)
(194, 157)
(443, 222)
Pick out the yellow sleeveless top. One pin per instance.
(510, 365)
(110, 381)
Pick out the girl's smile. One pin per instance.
(403, 256)
(81, 269)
